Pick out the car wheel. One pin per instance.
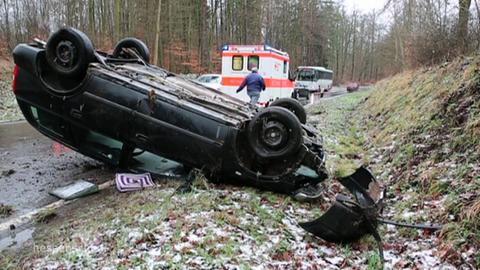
(292, 105)
(69, 52)
(131, 43)
(274, 132)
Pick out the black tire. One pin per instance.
(131, 43)
(69, 52)
(292, 105)
(270, 122)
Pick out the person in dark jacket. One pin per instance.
(255, 85)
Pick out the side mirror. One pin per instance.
(291, 76)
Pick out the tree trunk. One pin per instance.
(91, 17)
(7, 26)
(117, 16)
(157, 34)
(463, 16)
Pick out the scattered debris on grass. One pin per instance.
(45, 215)
(5, 210)
(8, 172)
(77, 189)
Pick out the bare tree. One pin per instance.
(463, 16)
(157, 33)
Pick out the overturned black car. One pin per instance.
(116, 107)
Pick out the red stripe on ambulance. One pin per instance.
(269, 83)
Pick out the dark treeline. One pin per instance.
(186, 35)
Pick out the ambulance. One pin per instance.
(272, 64)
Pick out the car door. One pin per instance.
(101, 118)
(165, 127)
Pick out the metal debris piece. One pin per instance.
(349, 219)
(77, 189)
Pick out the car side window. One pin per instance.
(48, 121)
(237, 62)
(208, 79)
(147, 161)
(101, 145)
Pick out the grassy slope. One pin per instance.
(429, 125)
(420, 132)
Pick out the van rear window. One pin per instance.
(237, 62)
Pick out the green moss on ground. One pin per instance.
(343, 138)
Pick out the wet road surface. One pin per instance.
(342, 90)
(31, 165)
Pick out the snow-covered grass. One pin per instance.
(342, 137)
(9, 110)
(222, 227)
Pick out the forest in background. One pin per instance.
(185, 36)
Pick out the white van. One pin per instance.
(272, 64)
(311, 81)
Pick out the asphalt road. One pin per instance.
(31, 165)
(341, 90)
(335, 91)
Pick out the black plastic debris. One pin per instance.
(349, 219)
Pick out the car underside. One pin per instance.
(115, 107)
